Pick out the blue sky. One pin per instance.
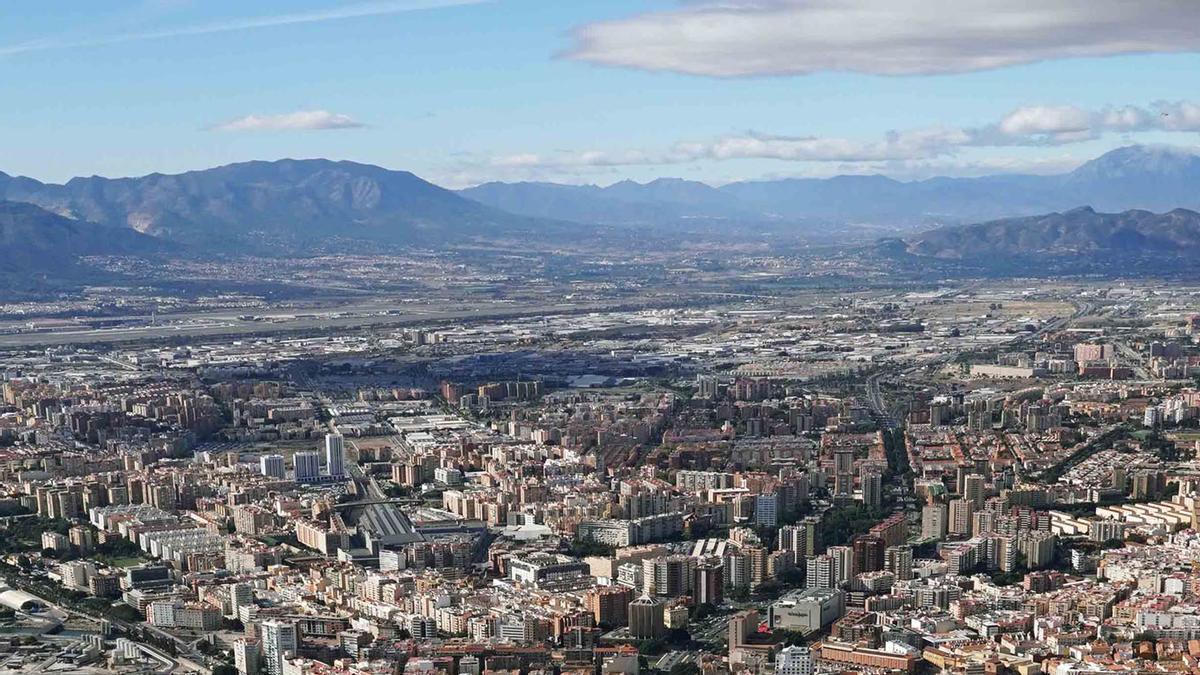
(593, 90)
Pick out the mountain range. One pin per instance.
(296, 206)
(1134, 177)
(301, 207)
(287, 206)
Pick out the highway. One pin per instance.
(1134, 359)
(187, 660)
(877, 403)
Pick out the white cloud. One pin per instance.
(1038, 119)
(982, 166)
(911, 150)
(895, 145)
(1178, 116)
(1128, 118)
(733, 38)
(1061, 125)
(516, 161)
(350, 11)
(301, 120)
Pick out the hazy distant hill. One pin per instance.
(306, 205)
(1156, 179)
(41, 249)
(293, 204)
(662, 201)
(1080, 234)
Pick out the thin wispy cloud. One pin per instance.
(354, 11)
(301, 120)
(1027, 126)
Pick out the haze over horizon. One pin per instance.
(463, 92)
(1146, 150)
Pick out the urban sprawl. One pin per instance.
(999, 479)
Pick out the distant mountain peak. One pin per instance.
(1129, 160)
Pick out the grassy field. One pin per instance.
(124, 562)
(1007, 310)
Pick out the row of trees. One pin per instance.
(897, 453)
(1104, 442)
(24, 535)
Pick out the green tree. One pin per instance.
(653, 646)
(790, 637)
(123, 612)
(840, 524)
(678, 636)
(583, 549)
(13, 509)
(792, 576)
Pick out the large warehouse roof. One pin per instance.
(17, 600)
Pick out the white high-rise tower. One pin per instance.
(279, 638)
(335, 455)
